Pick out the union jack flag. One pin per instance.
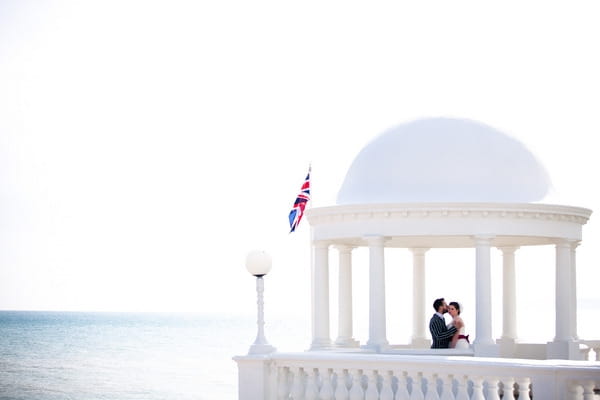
(300, 203)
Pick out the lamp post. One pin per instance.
(258, 263)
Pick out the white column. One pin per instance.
(573, 332)
(507, 342)
(345, 338)
(483, 344)
(563, 287)
(564, 345)
(509, 294)
(377, 322)
(419, 340)
(320, 284)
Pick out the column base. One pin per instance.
(320, 344)
(347, 342)
(486, 350)
(563, 350)
(507, 347)
(420, 343)
(261, 349)
(376, 347)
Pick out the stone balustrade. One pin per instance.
(326, 375)
(589, 346)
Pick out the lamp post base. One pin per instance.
(261, 349)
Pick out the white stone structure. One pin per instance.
(436, 183)
(420, 227)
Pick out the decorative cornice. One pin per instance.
(358, 212)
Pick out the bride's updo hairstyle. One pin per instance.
(455, 305)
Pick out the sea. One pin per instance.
(122, 356)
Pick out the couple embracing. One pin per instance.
(451, 335)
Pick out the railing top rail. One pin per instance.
(426, 363)
(591, 343)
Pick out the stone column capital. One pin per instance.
(419, 251)
(343, 248)
(483, 239)
(564, 243)
(374, 240)
(508, 249)
(320, 244)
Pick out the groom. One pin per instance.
(440, 334)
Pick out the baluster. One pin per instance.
(447, 388)
(356, 391)
(282, 387)
(349, 379)
(575, 391)
(477, 388)
(462, 392)
(297, 384)
(588, 390)
(341, 391)
(312, 390)
(523, 388)
(271, 379)
(492, 388)
(432, 393)
(371, 392)
(402, 391)
(585, 353)
(386, 387)
(326, 392)
(508, 388)
(417, 388)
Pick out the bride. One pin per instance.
(459, 340)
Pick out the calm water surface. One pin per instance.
(56, 355)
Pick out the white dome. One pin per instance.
(444, 160)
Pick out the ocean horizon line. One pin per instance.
(108, 311)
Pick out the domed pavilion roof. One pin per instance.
(444, 160)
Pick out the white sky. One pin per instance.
(146, 147)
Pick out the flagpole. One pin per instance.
(310, 173)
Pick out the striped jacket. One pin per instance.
(440, 334)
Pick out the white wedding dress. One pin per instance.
(462, 343)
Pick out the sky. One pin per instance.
(146, 147)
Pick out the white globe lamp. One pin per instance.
(258, 263)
